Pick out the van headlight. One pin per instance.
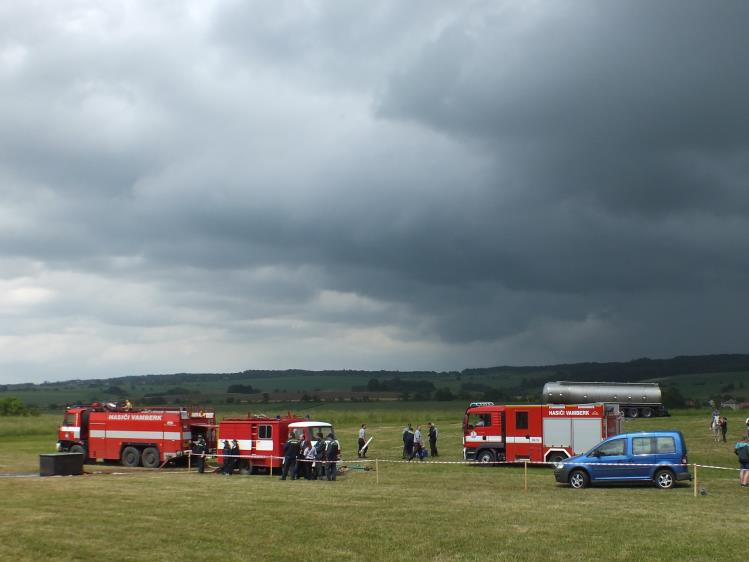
(559, 466)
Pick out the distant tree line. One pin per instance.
(12, 406)
(630, 371)
(242, 389)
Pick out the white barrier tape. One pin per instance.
(718, 467)
(425, 462)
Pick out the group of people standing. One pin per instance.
(311, 460)
(231, 457)
(413, 442)
(719, 426)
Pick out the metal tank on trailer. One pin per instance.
(642, 399)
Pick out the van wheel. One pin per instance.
(130, 457)
(646, 412)
(486, 456)
(664, 479)
(150, 457)
(579, 479)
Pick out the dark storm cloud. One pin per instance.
(425, 186)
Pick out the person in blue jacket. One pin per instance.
(742, 451)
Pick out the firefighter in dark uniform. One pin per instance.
(331, 453)
(234, 463)
(198, 450)
(226, 468)
(433, 439)
(320, 457)
(290, 453)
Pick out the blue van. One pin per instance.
(652, 456)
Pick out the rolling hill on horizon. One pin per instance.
(683, 377)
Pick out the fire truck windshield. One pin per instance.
(68, 420)
(479, 420)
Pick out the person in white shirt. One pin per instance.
(361, 450)
(309, 461)
(418, 444)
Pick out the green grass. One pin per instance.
(417, 511)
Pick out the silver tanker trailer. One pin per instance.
(634, 399)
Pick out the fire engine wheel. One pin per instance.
(485, 457)
(150, 457)
(130, 457)
(556, 457)
(664, 479)
(78, 449)
(579, 479)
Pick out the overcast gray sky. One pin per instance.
(220, 186)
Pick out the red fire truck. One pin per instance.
(261, 438)
(135, 437)
(549, 433)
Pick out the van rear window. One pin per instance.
(653, 445)
(665, 445)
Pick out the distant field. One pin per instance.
(418, 511)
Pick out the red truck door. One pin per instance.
(524, 433)
(483, 428)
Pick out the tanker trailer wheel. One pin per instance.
(632, 412)
(486, 456)
(150, 457)
(579, 479)
(646, 412)
(130, 457)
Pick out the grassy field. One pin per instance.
(417, 511)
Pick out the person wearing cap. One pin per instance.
(198, 450)
(226, 460)
(290, 453)
(234, 461)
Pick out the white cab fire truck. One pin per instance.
(146, 437)
(543, 433)
(261, 438)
